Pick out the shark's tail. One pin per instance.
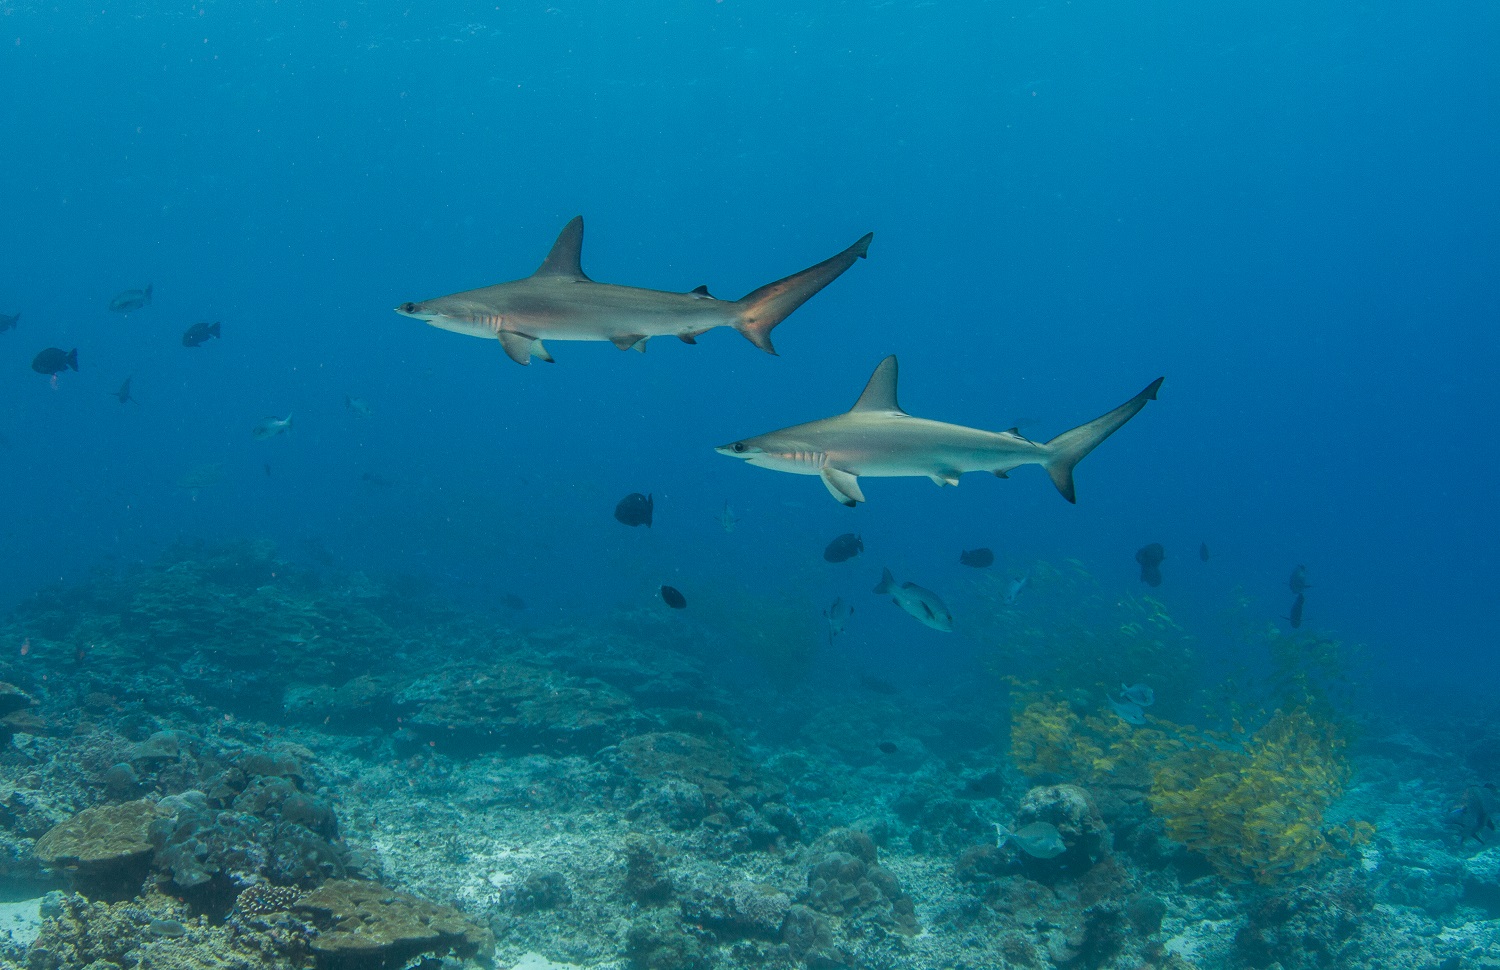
(1068, 449)
(763, 309)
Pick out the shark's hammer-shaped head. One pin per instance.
(776, 453)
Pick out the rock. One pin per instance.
(847, 880)
(1077, 819)
(110, 846)
(13, 698)
(364, 924)
(737, 911)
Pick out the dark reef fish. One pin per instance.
(1299, 582)
(844, 547)
(54, 361)
(131, 300)
(977, 558)
(558, 302)
(878, 685)
(1203, 551)
(376, 479)
(1150, 558)
(123, 394)
(1476, 814)
(674, 599)
(635, 509)
(1295, 616)
(513, 602)
(9, 322)
(888, 747)
(199, 334)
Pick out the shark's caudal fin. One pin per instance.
(763, 309)
(1068, 449)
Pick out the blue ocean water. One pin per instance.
(1288, 210)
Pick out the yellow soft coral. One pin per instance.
(1255, 812)
(1253, 806)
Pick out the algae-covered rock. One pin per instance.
(105, 834)
(367, 925)
(1077, 819)
(517, 706)
(107, 848)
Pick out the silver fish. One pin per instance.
(559, 302)
(359, 406)
(1014, 589)
(876, 438)
(271, 427)
(837, 615)
(921, 603)
(727, 518)
(1129, 713)
(1039, 839)
(1138, 694)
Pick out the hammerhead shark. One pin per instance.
(559, 302)
(876, 438)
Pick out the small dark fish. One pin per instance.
(376, 479)
(844, 548)
(1203, 551)
(513, 602)
(123, 394)
(977, 558)
(888, 747)
(877, 684)
(672, 598)
(131, 300)
(1477, 812)
(1150, 558)
(53, 361)
(1295, 617)
(635, 509)
(267, 467)
(199, 334)
(1299, 582)
(9, 323)
(988, 785)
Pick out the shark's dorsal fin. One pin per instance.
(566, 257)
(702, 291)
(880, 393)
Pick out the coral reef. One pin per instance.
(366, 924)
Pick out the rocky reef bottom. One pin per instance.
(262, 769)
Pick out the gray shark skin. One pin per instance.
(877, 439)
(559, 302)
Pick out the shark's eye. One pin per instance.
(739, 447)
(408, 308)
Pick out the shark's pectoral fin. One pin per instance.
(522, 347)
(630, 341)
(944, 476)
(843, 486)
(691, 337)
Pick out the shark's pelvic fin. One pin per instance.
(630, 341)
(944, 476)
(843, 486)
(1069, 448)
(565, 259)
(880, 393)
(761, 310)
(522, 347)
